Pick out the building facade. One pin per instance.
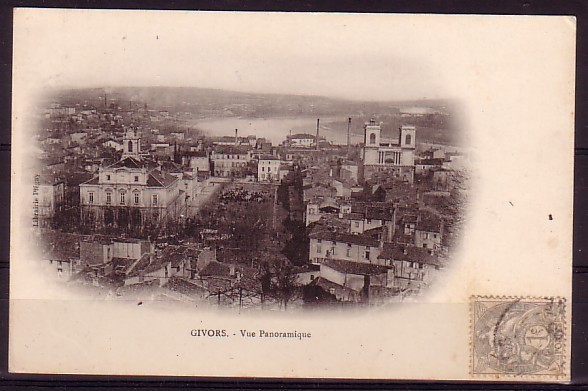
(132, 192)
(268, 169)
(229, 161)
(394, 158)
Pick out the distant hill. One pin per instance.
(436, 115)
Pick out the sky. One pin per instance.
(352, 56)
(373, 57)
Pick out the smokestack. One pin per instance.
(236, 137)
(348, 136)
(317, 133)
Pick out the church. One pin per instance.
(395, 158)
(132, 193)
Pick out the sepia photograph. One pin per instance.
(200, 189)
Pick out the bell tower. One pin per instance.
(131, 144)
(372, 132)
(371, 142)
(407, 137)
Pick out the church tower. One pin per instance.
(371, 141)
(407, 141)
(131, 144)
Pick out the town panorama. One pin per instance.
(333, 203)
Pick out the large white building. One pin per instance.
(132, 192)
(229, 160)
(268, 168)
(394, 157)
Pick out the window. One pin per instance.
(108, 198)
(319, 240)
(122, 198)
(136, 178)
(408, 139)
(425, 235)
(136, 198)
(319, 248)
(372, 138)
(107, 177)
(262, 169)
(333, 252)
(90, 197)
(357, 224)
(348, 252)
(367, 254)
(154, 199)
(434, 236)
(369, 221)
(130, 146)
(424, 245)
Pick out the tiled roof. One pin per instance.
(430, 162)
(350, 267)
(429, 222)
(399, 252)
(353, 216)
(301, 136)
(215, 268)
(360, 240)
(376, 213)
(157, 178)
(140, 265)
(328, 285)
(122, 265)
(230, 149)
(129, 162)
(196, 154)
(185, 287)
(93, 181)
(268, 157)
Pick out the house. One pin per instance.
(100, 249)
(300, 140)
(429, 232)
(229, 160)
(365, 218)
(113, 144)
(355, 277)
(343, 246)
(268, 168)
(413, 266)
(197, 160)
(422, 166)
(50, 196)
(321, 207)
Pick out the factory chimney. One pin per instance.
(348, 136)
(317, 133)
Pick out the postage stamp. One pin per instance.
(518, 337)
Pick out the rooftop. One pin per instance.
(350, 267)
(360, 240)
(398, 252)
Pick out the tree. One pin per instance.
(265, 279)
(285, 282)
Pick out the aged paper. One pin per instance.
(292, 195)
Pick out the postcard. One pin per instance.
(292, 195)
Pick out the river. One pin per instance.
(277, 129)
